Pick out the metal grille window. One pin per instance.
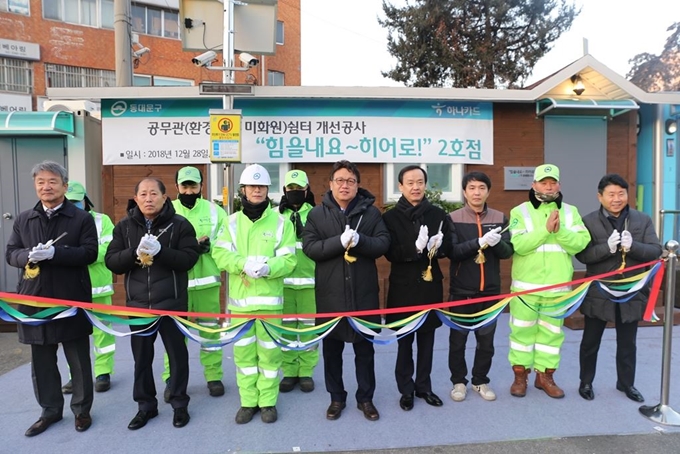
(74, 76)
(16, 75)
(15, 6)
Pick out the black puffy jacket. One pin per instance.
(342, 286)
(162, 285)
(65, 276)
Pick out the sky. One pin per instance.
(343, 44)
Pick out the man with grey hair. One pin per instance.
(54, 242)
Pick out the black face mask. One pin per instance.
(188, 200)
(296, 197)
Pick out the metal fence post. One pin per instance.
(663, 413)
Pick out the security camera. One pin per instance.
(140, 52)
(204, 59)
(248, 60)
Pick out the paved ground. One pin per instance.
(661, 440)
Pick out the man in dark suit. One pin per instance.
(56, 270)
(619, 235)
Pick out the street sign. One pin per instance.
(225, 135)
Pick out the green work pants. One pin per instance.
(299, 363)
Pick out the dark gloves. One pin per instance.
(204, 246)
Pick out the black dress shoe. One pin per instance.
(181, 417)
(335, 410)
(431, 399)
(83, 422)
(141, 418)
(41, 426)
(631, 392)
(406, 402)
(586, 391)
(369, 410)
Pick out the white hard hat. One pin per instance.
(255, 175)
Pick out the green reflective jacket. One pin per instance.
(303, 274)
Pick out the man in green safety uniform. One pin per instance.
(208, 220)
(298, 288)
(102, 289)
(546, 233)
(257, 249)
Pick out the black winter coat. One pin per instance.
(597, 258)
(407, 287)
(342, 286)
(163, 285)
(64, 277)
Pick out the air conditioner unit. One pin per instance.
(72, 106)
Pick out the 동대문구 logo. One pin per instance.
(118, 108)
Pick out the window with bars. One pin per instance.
(16, 6)
(16, 75)
(75, 76)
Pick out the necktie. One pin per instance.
(49, 212)
(148, 224)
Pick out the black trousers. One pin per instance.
(144, 388)
(364, 364)
(483, 355)
(626, 349)
(47, 380)
(404, 369)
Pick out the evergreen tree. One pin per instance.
(472, 43)
(659, 72)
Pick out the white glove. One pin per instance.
(347, 236)
(626, 240)
(491, 238)
(435, 241)
(252, 269)
(421, 241)
(41, 252)
(149, 245)
(355, 238)
(263, 270)
(141, 247)
(613, 241)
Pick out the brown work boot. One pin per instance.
(544, 381)
(519, 386)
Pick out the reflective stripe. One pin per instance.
(106, 239)
(298, 245)
(520, 347)
(228, 245)
(211, 349)
(528, 223)
(553, 328)
(279, 233)
(304, 321)
(550, 248)
(285, 251)
(528, 286)
(266, 344)
(232, 232)
(102, 289)
(568, 216)
(242, 342)
(213, 221)
(98, 223)
(208, 324)
(257, 300)
(522, 323)
(108, 349)
(203, 281)
(547, 349)
(269, 373)
(298, 281)
(247, 370)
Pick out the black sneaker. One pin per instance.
(269, 414)
(216, 388)
(245, 414)
(102, 383)
(67, 388)
(287, 384)
(166, 393)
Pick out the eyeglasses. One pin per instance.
(343, 181)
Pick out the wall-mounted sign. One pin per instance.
(225, 135)
(19, 49)
(518, 178)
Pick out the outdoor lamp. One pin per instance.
(671, 126)
(579, 88)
